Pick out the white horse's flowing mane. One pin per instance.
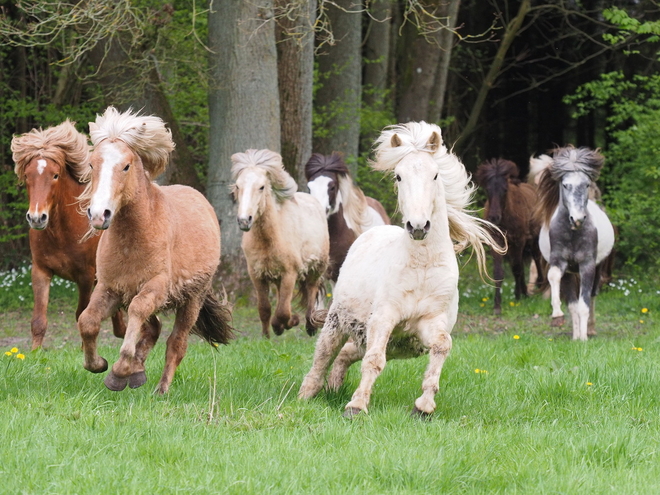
(537, 167)
(464, 228)
(146, 135)
(570, 159)
(283, 185)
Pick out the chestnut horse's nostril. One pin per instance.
(28, 217)
(44, 218)
(107, 214)
(89, 213)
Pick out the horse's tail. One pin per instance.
(317, 319)
(214, 321)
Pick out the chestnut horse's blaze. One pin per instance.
(51, 163)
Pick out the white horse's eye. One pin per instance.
(90, 166)
(436, 177)
(398, 178)
(262, 188)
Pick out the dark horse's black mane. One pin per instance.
(319, 164)
(497, 167)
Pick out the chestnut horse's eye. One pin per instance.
(127, 167)
(56, 176)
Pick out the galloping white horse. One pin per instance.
(397, 291)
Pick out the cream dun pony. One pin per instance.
(397, 293)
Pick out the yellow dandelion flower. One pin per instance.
(477, 370)
(484, 299)
(589, 384)
(645, 310)
(328, 295)
(14, 350)
(20, 356)
(640, 349)
(7, 353)
(482, 305)
(641, 321)
(550, 340)
(511, 303)
(516, 337)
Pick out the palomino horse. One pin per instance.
(285, 239)
(576, 235)
(510, 206)
(51, 164)
(160, 250)
(349, 211)
(397, 293)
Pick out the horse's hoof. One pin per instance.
(115, 383)
(418, 413)
(277, 329)
(293, 321)
(96, 368)
(137, 379)
(557, 321)
(351, 412)
(311, 330)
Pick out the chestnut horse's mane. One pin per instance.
(62, 144)
(146, 135)
(497, 167)
(282, 184)
(565, 160)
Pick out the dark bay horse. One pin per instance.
(160, 250)
(51, 163)
(510, 206)
(349, 211)
(576, 235)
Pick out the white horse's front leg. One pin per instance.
(379, 328)
(555, 274)
(438, 340)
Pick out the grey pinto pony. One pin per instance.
(576, 235)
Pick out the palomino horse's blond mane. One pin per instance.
(465, 229)
(146, 135)
(61, 143)
(282, 184)
(355, 205)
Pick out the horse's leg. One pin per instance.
(284, 318)
(518, 269)
(151, 297)
(591, 324)
(433, 335)
(498, 275)
(118, 325)
(41, 277)
(379, 328)
(588, 274)
(569, 290)
(309, 289)
(330, 340)
(538, 264)
(177, 342)
(102, 304)
(555, 274)
(263, 303)
(348, 355)
(533, 276)
(149, 334)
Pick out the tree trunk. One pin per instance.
(295, 66)
(244, 111)
(340, 84)
(377, 52)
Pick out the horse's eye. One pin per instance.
(56, 176)
(127, 167)
(90, 166)
(436, 177)
(398, 178)
(262, 188)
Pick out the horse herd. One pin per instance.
(396, 289)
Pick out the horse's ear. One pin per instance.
(434, 141)
(93, 127)
(395, 142)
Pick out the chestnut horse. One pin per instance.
(51, 163)
(348, 210)
(285, 239)
(160, 250)
(510, 206)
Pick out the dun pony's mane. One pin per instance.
(464, 228)
(146, 135)
(354, 202)
(565, 160)
(61, 143)
(282, 184)
(497, 167)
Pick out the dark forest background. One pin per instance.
(503, 78)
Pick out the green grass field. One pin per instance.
(521, 409)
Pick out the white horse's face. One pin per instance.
(251, 186)
(115, 170)
(574, 197)
(417, 183)
(325, 190)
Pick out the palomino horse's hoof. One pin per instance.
(115, 383)
(418, 413)
(97, 368)
(137, 379)
(352, 412)
(557, 321)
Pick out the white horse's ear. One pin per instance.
(434, 141)
(395, 141)
(93, 127)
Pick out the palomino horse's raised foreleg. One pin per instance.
(102, 304)
(41, 278)
(263, 303)
(555, 274)
(379, 329)
(327, 345)
(348, 355)
(439, 343)
(284, 318)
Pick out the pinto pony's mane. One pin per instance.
(565, 160)
(537, 168)
(62, 143)
(146, 135)
(465, 229)
(282, 184)
(354, 202)
(497, 167)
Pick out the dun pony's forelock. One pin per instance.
(283, 185)
(146, 135)
(62, 144)
(318, 163)
(496, 167)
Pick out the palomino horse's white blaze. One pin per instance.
(397, 292)
(41, 166)
(102, 199)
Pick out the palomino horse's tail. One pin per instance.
(214, 321)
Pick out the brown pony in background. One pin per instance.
(510, 206)
(160, 250)
(52, 163)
